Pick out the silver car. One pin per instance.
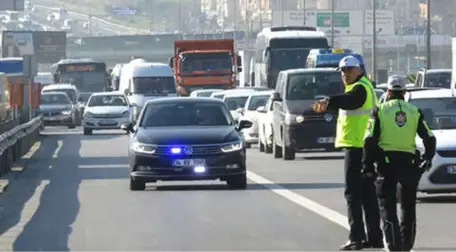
(58, 110)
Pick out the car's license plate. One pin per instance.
(51, 118)
(451, 169)
(188, 162)
(107, 122)
(325, 140)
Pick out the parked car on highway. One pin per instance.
(186, 139)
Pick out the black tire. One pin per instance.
(267, 148)
(136, 185)
(260, 146)
(87, 131)
(238, 182)
(287, 152)
(276, 150)
(248, 145)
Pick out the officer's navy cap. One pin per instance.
(396, 85)
(348, 61)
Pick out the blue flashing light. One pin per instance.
(330, 51)
(333, 59)
(176, 150)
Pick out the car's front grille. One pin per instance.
(447, 153)
(195, 149)
(445, 174)
(52, 113)
(107, 115)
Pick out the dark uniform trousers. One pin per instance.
(399, 170)
(360, 194)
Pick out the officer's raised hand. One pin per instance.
(321, 106)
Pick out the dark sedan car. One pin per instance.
(186, 139)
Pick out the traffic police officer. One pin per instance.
(355, 108)
(391, 144)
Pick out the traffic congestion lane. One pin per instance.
(74, 195)
(320, 176)
(40, 15)
(97, 26)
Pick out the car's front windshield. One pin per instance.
(439, 113)
(52, 99)
(257, 101)
(107, 100)
(235, 102)
(309, 85)
(185, 114)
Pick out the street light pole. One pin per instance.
(374, 40)
(332, 23)
(428, 34)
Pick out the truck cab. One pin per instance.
(204, 64)
(433, 78)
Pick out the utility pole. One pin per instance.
(304, 17)
(428, 35)
(374, 40)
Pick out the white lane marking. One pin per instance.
(104, 166)
(304, 202)
(8, 238)
(57, 150)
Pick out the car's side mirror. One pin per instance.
(244, 124)
(240, 111)
(80, 99)
(261, 109)
(127, 91)
(239, 69)
(276, 96)
(128, 127)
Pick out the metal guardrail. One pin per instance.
(16, 142)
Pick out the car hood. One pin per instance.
(187, 135)
(54, 107)
(444, 138)
(107, 109)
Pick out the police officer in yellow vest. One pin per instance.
(355, 108)
(391, 144)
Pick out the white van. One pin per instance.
(143, 81)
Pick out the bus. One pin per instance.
(86, 74)
(283, 48)
(331, 57)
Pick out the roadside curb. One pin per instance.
(18, 167)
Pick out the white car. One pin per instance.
(439, 110)
(265, 127)
(106, 111)
(255, 101)
(236, 102)
(204, 92)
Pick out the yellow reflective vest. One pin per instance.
(352, 124)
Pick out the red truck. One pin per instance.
(204, 64)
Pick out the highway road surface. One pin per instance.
(74, 194)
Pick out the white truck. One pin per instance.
(453, 72)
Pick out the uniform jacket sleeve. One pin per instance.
(426, 134)
(351, 100)
(372, 151)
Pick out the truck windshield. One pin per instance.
(154, 85)
(283, 59)
(307, 86)
(439, 80)
(206, 62)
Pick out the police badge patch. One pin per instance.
(400, 119)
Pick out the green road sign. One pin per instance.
(341, 19)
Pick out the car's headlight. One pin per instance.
(232, 147)
(291, 119)
(88, 114)
(143, 148)
(66, 112)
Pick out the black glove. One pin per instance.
(425, 164)
(369, 172)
